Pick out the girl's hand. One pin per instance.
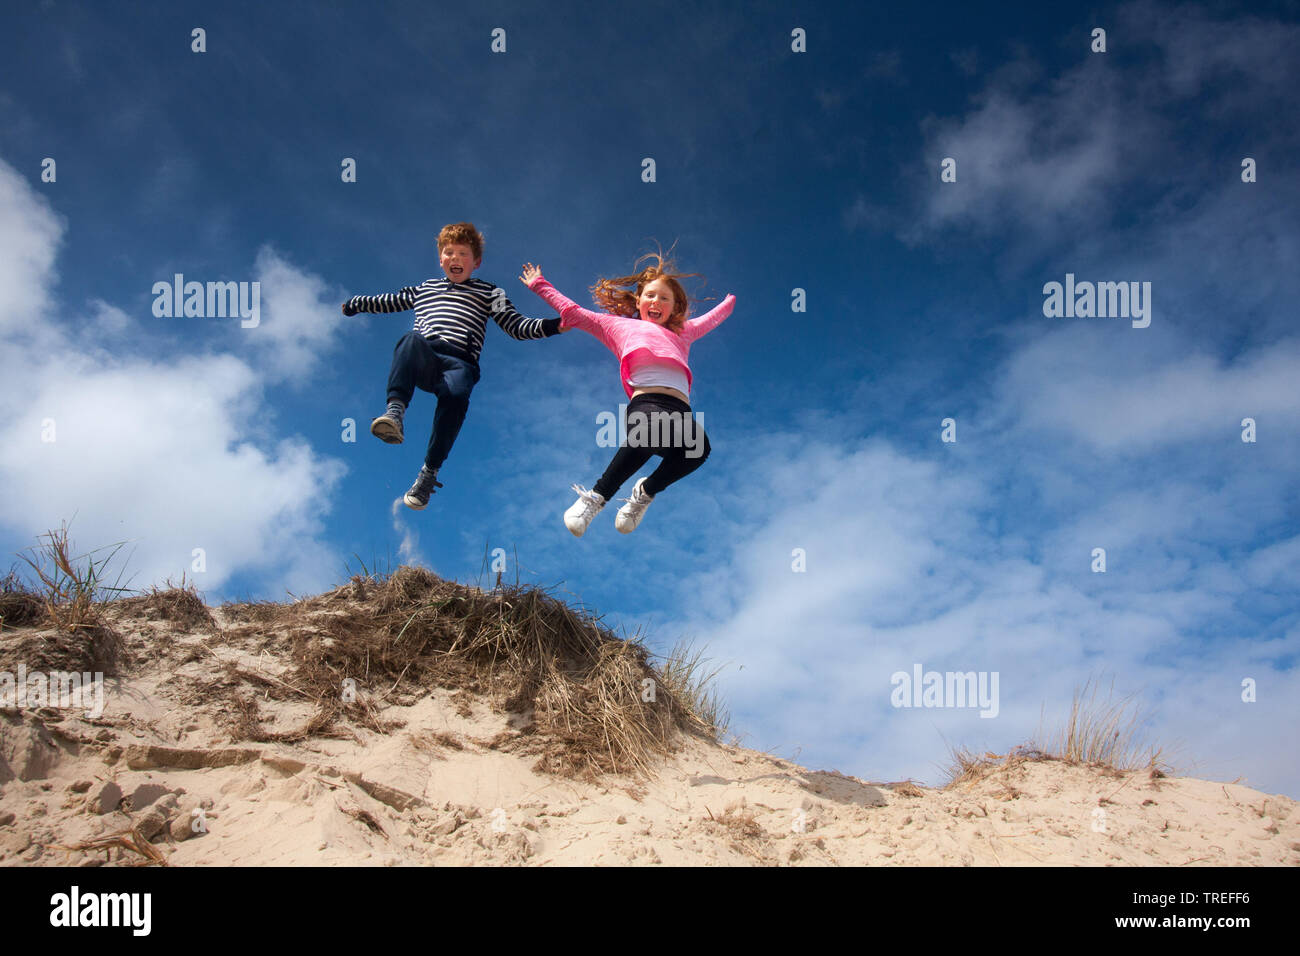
(531, 272)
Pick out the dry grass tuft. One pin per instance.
(577, 693)
(20, 605)
(253, 612)
(968, 766)
(741, 822)
(92, 647)
(75, 634)
(180, 604)
(1105, 734)
(368, 818)
(687, 676)
(244, 721)
(74, 584)
(128, 839)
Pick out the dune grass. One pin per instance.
(1104, 732)
(75, 585)
(584, 700)
(1101, 732)
(62, 607)
(687, 675)
(20, 604)
(577, 693)
(179, 603)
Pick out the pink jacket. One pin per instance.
(633, 340)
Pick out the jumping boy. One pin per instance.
(440, 355)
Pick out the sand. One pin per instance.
(442, 790)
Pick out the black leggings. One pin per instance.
(656, 425)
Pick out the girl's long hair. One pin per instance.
(619, 295)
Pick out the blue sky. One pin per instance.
(776, 170)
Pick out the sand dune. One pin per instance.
(452, 776)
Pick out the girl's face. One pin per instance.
(656, 302)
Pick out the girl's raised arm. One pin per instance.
(572, 315)
(710, 320)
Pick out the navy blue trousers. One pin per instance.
(418, 363)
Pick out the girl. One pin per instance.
(647, 328)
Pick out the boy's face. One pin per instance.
(458, 261)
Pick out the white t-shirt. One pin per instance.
(658, 374)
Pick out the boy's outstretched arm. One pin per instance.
(519, 326)
(399, 301)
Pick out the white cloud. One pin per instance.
(977, 557)
(1274, 567)
(108, 319)
(408, 548)
(904, 568)
(300, 319)
(1111, 389)
(1242, 63)
(159, 453)
(1090, 435)
(1043, 158)
(30, 232)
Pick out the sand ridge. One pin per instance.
(442, 777)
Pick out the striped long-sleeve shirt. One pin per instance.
(456, 313)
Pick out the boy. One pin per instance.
(440, 355)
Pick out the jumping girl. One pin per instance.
(645, 325)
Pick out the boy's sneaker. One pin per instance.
(629, 516)
(583, 510)
(388, 426)
(418, 497)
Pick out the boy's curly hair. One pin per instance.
(462, 234)
(619, 295)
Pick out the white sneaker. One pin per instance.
(583, 510)
(629, 516)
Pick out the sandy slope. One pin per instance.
(443, 790)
